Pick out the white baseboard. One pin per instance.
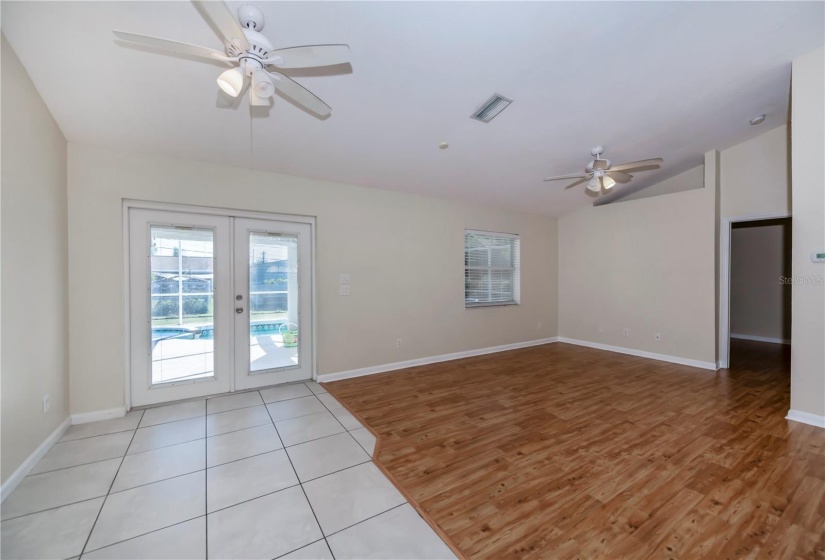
(641, 353)
(431, 360)
(761, 338)
(20, 473)
(97, 415)
(806, 418)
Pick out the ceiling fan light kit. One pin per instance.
(600, 174)
(231, 82)
(253, 56)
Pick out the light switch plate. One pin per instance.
(343, 290)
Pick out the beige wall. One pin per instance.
(646, 265)
(808, 167)
(755, 176)
(403, 252)
(34, 267)
(760, 303)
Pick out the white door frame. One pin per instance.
(194, 209)
(724, 284)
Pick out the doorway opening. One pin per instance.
(758, 290)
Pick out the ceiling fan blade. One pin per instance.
(620, 176)
(257, 101)
(309, 56)
(169, 45)
(634, 164)
(223, 22)
(574, 183)
(299, 94)
(573, 176)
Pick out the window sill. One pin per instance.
(495, 304)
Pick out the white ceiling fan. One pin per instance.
(253, 58)
(599, 174)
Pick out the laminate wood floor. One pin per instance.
(560, 451)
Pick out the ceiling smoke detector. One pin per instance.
(491, 108)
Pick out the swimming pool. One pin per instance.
(207, 331)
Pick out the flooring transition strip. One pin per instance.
(412, 501)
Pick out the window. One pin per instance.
(491, 268)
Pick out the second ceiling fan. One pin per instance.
(600, 174)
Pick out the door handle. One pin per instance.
(239, 310)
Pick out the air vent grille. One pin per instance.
(491, 108)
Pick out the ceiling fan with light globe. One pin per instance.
(253, 58)
(600, 174)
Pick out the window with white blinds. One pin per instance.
(491, 268)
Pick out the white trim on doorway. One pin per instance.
(724, 283)
(128, 204)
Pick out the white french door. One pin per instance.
(273, 302)
(216, 304)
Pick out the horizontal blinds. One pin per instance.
(491, 268)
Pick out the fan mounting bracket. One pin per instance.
(597, 151)
(251, 17)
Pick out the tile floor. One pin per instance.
(283, 472)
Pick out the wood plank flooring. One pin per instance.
(560, 451)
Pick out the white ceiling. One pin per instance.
(645, 79)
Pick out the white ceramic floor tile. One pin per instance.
(56, 533)
(348, 420)
(285, 392)
(159, 464)
(330, 402)
(83, 451)
(241, 444)
(366, 439)
(315, 551)
(184, 541)
(347, 497)
(170, 433)
(59, 488)
(293, 408)
(148, 508)
(315, 387)
(236, 420)
(266, 527)
(239, 481)
(233, 402)
(323, 456)
(173, 412)
(305, 428)
(400, 534)
(91, 429)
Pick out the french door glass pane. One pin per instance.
(273, 301)
(182, 303)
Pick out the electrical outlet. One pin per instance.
(399, 343)
(539, 326)
(626, 331)
(658, 336)
(344, 278)
(343, 290)
(46, 403)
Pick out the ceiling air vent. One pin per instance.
(492, 107)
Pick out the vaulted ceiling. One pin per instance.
(644, 79)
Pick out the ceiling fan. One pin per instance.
(253, 58)
(599, 174)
